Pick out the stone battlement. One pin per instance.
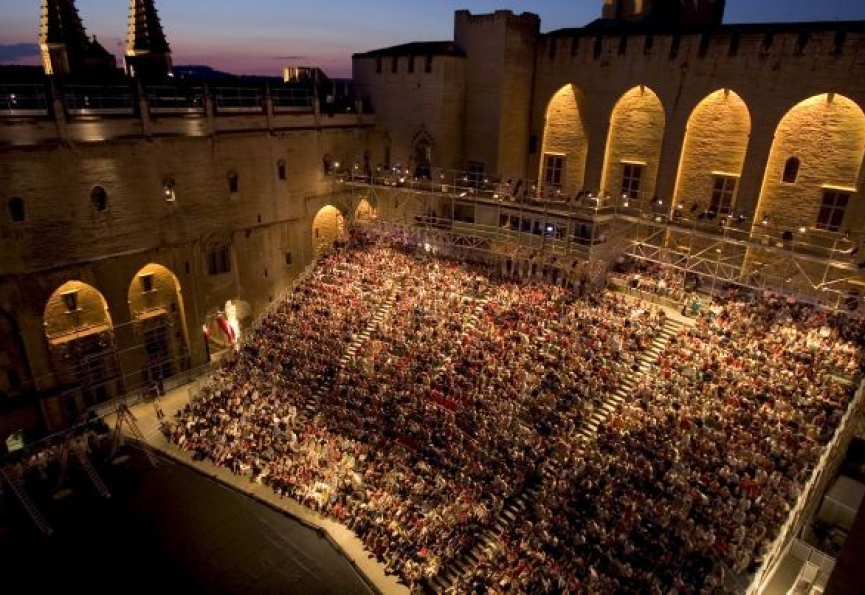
(735, 42)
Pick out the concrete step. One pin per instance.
(462, 565)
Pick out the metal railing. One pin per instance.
(238, 99)
(808, 501)
(165, 99)
(23, 100)
(28, 99)
(691, 215)
(300, 99)
(83, 100)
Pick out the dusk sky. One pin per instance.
(262, 36)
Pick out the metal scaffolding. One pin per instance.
(712, 250)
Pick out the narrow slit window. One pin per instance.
(791, 170)
(16, 209)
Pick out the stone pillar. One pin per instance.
(144, 111)
(756, 160)
(59, 110)
(209, 112)
(597, 123)
(671, 154)
(268, 108)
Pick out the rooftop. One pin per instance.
(417, 48)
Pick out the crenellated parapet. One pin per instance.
(737, 43)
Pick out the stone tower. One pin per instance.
(62, 39)
(501, 56)
(147, 53)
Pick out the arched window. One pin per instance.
(423, 159)
(218, 260)
(99, 198)
(16, 209)
(233, 182)
(280, 169)
(168, 189)
(791, 171)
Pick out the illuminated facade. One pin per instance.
(751, 135)
(140, 213)
(147, 221)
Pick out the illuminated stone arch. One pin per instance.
(328, 226)
(565, 136)
(825, 134)
(75, 308)
(713, 152)
(156, 307)
(80, 336)
(633, 149)
(365, 212)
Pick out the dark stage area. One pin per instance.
(165, 530)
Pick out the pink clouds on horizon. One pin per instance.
(333, 66)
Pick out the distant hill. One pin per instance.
(206, 73)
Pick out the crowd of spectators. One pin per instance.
(415, 421)
(697, 472)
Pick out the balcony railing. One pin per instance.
(292, 100)
(28, 99)
(689, 216)
(23, 100)
(238, 99)
(83, 100)
(175, 100)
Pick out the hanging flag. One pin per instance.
(226, 328)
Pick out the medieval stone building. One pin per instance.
(144, 218)
(149, 216)
(148, 219)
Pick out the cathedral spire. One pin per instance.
(62, 38)
(147, 51)
(145, 30)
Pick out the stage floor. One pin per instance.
(171, 529)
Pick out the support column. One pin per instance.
(756, 161)
(597, 131)
(671, 154)
(144, 111)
